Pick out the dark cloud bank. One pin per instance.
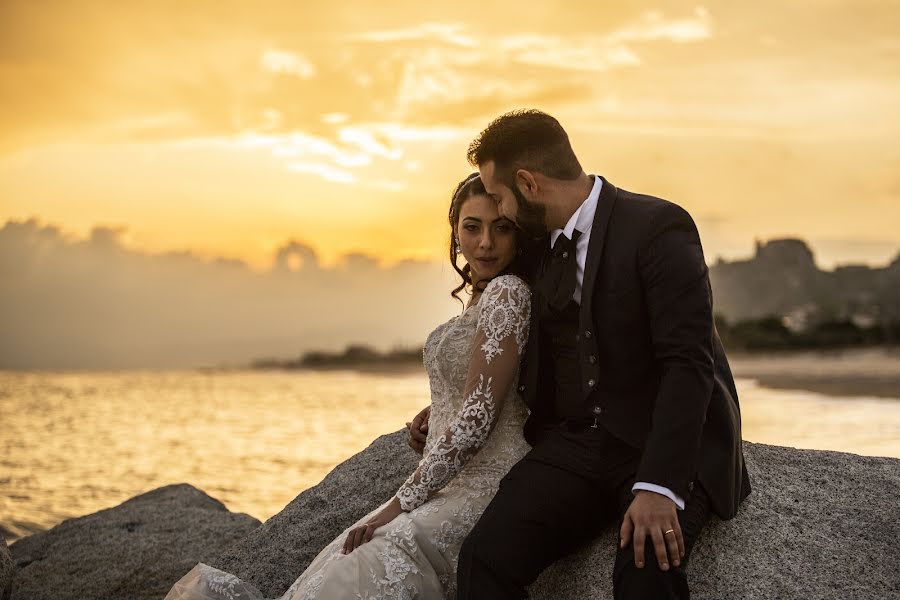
(68, 303)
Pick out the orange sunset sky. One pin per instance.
(158, 145)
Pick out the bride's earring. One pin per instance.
(458, 247)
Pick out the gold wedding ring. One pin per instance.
(669, 531)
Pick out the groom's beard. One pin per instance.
(531, 217)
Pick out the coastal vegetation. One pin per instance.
(355, 356)
(774, 333)
(752, 335)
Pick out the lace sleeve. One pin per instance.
(500, 338)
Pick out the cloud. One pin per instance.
(282, 61)
(605, 51)
(448, 33)
(247, 73)
(368, 142)
(654, 26)
(563, 54)
(355, 147)
(68, 302)
(324, 171)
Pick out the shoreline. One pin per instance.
(397, 368)
(862, 372)
(887, 388)
(868, 372)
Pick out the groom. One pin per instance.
(634, 418)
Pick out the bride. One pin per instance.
(408, 547)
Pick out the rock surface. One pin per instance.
(818, 524)
(135, 550)
(822, 525)
(6, 570)
(274, 555)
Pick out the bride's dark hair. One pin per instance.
(526, 249)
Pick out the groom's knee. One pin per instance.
(487, 544)
(478, 544)
(484, 569)
(650, 581)
(466, 550)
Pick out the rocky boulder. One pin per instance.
(135, 550)
(6, 570)
(274, 555)
(818, 524)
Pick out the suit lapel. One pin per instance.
(605, 204)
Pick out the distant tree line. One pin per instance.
(771, 333)
(353, 356)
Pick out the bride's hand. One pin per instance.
(363, 533)
(418, 430)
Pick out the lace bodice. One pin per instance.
(476, 414)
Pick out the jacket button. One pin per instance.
(566, 254)
(691, 486)
(522, 388)
(591, 382)
(592, 359)
(597, 411)
(587, 333)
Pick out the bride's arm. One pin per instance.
(500, 339)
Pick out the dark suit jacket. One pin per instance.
(650, 356)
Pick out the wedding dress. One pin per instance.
(473, 440)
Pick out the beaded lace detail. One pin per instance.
(500, 337)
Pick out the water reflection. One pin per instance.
(252, 440)
(73, 444)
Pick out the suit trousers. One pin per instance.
(574, 482)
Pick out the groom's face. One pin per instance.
(529, 216)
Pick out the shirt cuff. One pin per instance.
(651, 487)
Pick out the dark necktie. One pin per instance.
(560, 273)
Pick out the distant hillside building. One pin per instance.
(782, 280)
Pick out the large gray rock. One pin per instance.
(135, 550)
(822, 525)
(818, 525)
(6, 570)
(274, 555)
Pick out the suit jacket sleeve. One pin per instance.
(675, 280)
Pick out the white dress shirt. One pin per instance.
(583, 221)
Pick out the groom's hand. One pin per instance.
(651, 514)
(418, 430)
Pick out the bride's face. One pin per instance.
(487, 240)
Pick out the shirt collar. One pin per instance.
(583, 218)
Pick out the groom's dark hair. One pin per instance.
(525, 139)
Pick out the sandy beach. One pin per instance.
(873, 372)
